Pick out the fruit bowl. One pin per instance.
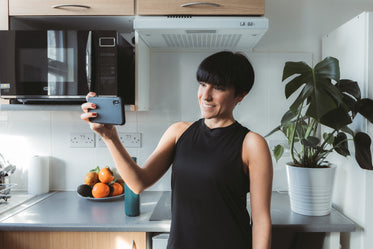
(109, 198)
(101, 185)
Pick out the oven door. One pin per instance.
(45, 65)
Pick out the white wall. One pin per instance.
(296, 27)
(351, 44)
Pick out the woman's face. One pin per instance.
(217, 102)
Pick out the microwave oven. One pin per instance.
(62, 66)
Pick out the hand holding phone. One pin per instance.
(110, 110)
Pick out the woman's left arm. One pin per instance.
(257, 158)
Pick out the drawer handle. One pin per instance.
(200, 3)
(60, 6)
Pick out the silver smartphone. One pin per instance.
(110, 110)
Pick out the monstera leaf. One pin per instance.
(319, 92)
(362, 150)
(365, 108)
(340, 144)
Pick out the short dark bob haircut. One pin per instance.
(227, 69)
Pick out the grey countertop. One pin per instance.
(66, 211)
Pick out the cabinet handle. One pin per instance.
(59, 6)
(133, 244)
(200, 3)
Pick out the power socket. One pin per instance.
(100, 142)
(130, 139)
(82, 140)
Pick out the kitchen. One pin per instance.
(295, 31)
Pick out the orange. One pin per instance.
(120, 181)
(91, 178)
(116, 189)
(100, 190)
(106, 175)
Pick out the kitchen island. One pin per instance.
(66, 212)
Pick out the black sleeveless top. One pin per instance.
(209, 190)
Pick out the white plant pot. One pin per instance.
(311, 189)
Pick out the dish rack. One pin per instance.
(5, 190)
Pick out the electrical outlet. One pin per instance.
(100, 142)
(82, 140)
(130, 139)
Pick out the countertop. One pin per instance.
(66, 211)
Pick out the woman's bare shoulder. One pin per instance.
(254, 143)
(178, 128)
(181, 125)
(253, 138)
(255, 150)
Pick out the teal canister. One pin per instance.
(131, 200)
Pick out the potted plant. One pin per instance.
(324, 102)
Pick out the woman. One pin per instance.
(215, 162)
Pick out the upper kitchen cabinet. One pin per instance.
(70, 8)
(213, 7)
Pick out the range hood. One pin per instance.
(201, 32)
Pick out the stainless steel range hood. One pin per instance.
(197, 32)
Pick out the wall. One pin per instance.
(296, 26)
(351, 44)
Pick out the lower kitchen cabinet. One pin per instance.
(72, 240)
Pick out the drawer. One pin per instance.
(67, 240)
(214, 7)
(73, 7)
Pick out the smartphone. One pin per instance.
(110, 110)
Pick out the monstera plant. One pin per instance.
(324, 100)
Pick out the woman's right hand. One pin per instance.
(104, 130)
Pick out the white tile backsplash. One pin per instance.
(173, 97)
(3, 117)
